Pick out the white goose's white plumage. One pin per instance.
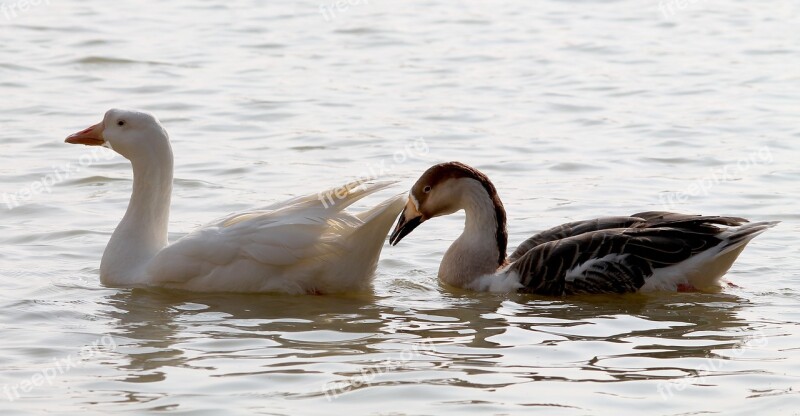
(642, 252)
(303, 245)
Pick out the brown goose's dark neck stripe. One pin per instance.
(452, 170)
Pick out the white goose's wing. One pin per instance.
(621, 260)
(262, 250)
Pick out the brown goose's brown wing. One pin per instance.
(613, 260)
(648, 219)
(572, 229)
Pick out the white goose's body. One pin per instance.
(299, 246)
(643, 252)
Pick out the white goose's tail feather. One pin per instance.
(339, 198)
(363, 244)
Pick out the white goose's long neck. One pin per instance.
(475, 253)
(142, 233)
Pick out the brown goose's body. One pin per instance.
(645, 251)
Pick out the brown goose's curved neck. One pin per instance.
(501, 233)
(500, 216)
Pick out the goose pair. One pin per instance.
(304, 246)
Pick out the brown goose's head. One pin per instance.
(438, 192)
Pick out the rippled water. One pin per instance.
(574, 108)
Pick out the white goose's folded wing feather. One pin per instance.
(274, 238)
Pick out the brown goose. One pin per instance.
(643, 252)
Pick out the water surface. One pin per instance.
(575, 109)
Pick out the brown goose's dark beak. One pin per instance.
(409, 219)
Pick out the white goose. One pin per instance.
(298, 246)
(646, 251)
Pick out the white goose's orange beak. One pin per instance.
(92, 136)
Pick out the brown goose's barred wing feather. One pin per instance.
(544, 268)
(670, 219)
(608, 259)
(662, 217)
(572, 229)
(649, 219)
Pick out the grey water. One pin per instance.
(575, 109)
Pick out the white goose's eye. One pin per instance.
(426, 189)
(121, 123)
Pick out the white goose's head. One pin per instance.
(440, 191)
(126, 132)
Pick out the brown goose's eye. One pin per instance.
(121, 123)
(426, 189)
